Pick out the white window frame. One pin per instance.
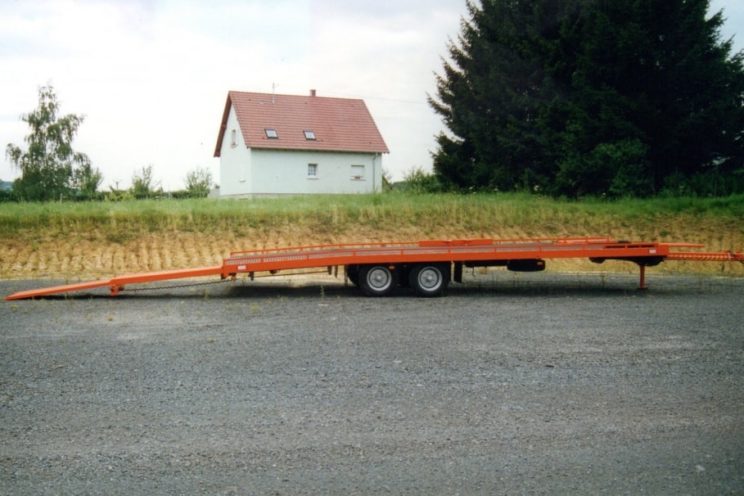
(312, 171)
(271, 133)
(233, 138)
(310, 135)
(355, 170)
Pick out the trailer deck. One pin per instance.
(426, 266)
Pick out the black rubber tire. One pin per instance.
(352, 274)
(404, 272)
(429, 280)
(377, 280)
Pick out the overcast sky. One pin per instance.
(151, 76)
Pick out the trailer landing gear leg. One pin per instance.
(642, 283)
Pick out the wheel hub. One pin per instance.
(429, 279)
(379, 279)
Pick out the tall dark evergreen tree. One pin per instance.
(493, 93)
(589, 96)
(654, 95)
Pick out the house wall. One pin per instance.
(286, 172)
(235, 161)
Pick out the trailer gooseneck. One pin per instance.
(426, 266)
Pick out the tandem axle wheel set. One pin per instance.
(426, 279)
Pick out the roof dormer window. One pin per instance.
(309, 135)
(271, 133)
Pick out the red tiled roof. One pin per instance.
(339, 124)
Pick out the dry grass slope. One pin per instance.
(82, 240)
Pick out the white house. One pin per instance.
(288, 144)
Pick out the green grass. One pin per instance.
(387, 212)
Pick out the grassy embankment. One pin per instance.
(92, 239)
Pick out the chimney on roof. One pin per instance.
(312, 92)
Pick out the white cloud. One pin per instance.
(151, 76)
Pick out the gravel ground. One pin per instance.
(568, 384)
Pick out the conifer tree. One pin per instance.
(589, 97)
(654, 94)
(492, 95)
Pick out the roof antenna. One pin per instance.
(273, 89)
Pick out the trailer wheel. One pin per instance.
(376, 280)
(429, 279)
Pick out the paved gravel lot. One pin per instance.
(527, 385)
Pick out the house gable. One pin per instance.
(235, 159)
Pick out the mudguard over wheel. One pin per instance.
(377, 280)
(429, 279)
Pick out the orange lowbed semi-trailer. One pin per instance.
(426, 266)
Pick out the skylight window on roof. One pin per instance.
(271, 133)
(309, 135)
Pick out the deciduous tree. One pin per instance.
(50, 168)
(199, 182)
(143, 183)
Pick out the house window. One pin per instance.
(312, 170)
(233, 138)
(357, 173)
(309, 135)
(271, 133)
